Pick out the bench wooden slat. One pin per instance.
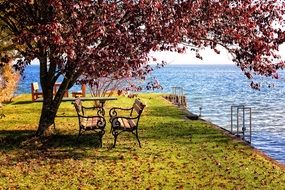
(138, 106)
(127, 123)
(137, 109)
(90, 123)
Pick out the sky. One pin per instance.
(209, 57)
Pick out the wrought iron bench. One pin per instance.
(96, 123)
(126, 123)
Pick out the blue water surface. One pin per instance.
(31, 74)
(215, 88)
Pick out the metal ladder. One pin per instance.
(241, 121)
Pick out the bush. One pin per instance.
(9, 79)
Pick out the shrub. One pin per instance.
(9, 79)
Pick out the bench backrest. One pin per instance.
(35, 91)
(138, 107)
(83, 90)
(78, 106)
(35, 87)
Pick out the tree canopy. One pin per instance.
(95, 38)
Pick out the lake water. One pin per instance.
(215, 88)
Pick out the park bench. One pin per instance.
(96, 122)
(36, 94)
(80, 93)
(56, 87)
(127, 123)
(35, 91)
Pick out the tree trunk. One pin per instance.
(50, 106)
(49, 110)
(51, 101)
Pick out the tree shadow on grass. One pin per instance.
(87, 140)
(10, 139)
(13, 139)
(21, 102)
(20, 143)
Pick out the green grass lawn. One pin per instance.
(176, 153)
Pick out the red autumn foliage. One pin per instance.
(98, 38)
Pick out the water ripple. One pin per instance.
(216, 88)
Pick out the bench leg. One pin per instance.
(137, 136)
(115, 139)
(101, 138)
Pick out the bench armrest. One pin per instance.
(114, 111)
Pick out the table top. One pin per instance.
(65, 99)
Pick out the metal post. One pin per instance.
(250, 126)
(231, 119)
(243, 123)
(237, 120)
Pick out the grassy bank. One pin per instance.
(176, 153)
